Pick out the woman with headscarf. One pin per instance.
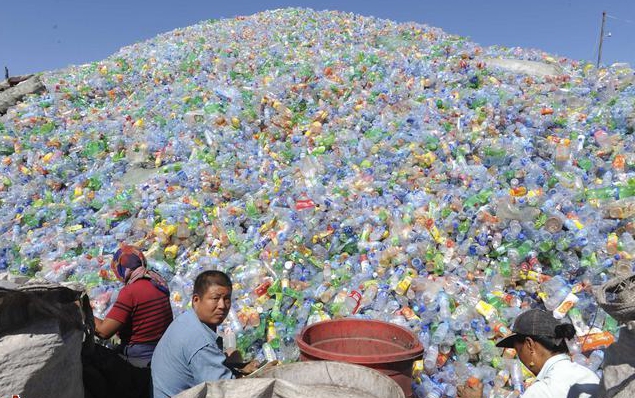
(142, 312)
(540, 342)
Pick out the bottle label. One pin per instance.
(355, 295)
(409, 314)
(268, 352)
(365, 265)
(502, 330)
(596, 341)
(404, 285)
(485, 309)
(535, 276)
(262, 288)
(565, 306)
(304, 204)
(442, 359)
(417, 366)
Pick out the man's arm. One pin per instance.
(207, 365)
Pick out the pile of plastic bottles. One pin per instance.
(334, 165)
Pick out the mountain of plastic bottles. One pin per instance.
(335, 165)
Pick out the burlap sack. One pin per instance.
(41, 334)
(617, 298)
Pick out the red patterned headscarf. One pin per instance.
(129, 265)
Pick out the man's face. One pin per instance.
(213, 306)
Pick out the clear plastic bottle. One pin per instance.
(430, 358)
(381, 300)
(516, 376)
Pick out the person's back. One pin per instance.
(144, 311)
(140, 316)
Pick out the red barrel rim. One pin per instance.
(408, 354)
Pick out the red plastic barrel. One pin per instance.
(386, 347)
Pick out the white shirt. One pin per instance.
(561, 378)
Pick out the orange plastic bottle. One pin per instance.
(596, 341)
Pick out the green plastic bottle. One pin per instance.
(600, 193)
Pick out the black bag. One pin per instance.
(105, 373)
(108, 375)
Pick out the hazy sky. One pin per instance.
(42, 35)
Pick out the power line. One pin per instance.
(595, 48)
(620, 19)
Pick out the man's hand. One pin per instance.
(235, 361)
(250, 367)
(233, 358)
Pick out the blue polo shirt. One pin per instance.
(186, 355)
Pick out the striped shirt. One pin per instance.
(144, 310)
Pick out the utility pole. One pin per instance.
(601, 39)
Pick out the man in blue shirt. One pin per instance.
(189, 352)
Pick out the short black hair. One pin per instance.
(210, 278)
